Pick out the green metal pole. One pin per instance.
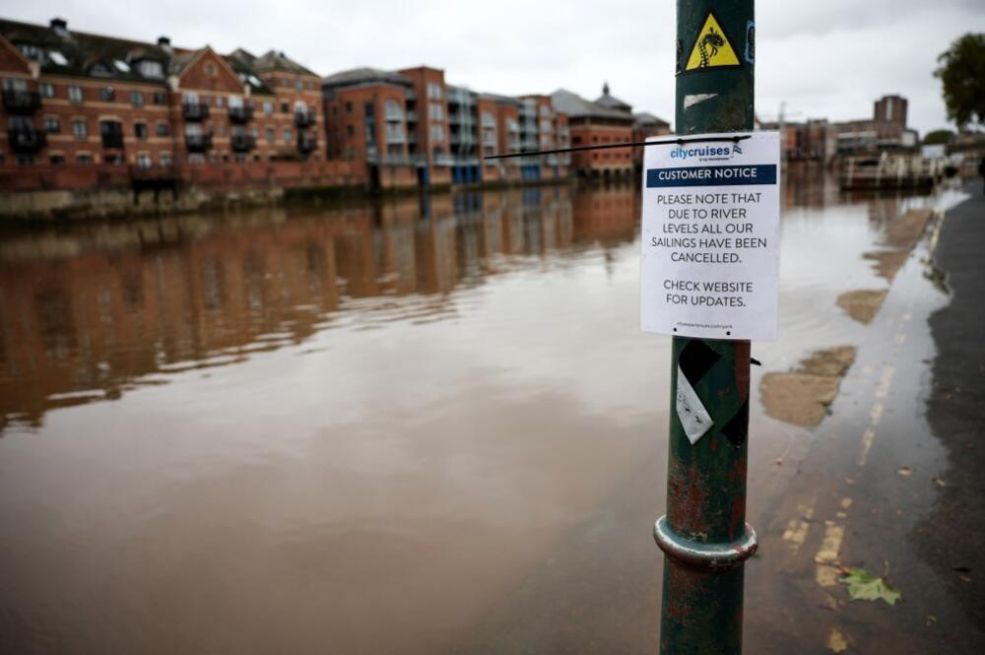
(704, 535)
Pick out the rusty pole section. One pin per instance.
(704, 535)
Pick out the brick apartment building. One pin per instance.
(646, 125)
(820, 140)
(886, 130)
(287, 114)
(410, 127)
(72, 97)
(604, 121)
(84, 110)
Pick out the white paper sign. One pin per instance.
(711, 237)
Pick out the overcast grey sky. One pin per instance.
(826, 58)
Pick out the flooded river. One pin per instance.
(419, 426)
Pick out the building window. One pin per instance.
(348, 107)
(31, 51)
(166, 159)
(210, 69)
(350, 130)
(57, 159)
(219, 102)
(75, 94)
(83, 158)
(298, 85)
(52, 125)
(268, 108)
(136, 98)
(285, 108)
(436, 112)
(271, 135)
(140, 130)
(434, 91)
(47, 91)
(144, 160)
(160, 98)
(107, 94)
(25, 160)
(163, 129)
(437, 132)
(79, 129)
(287, 135)
(150, 69)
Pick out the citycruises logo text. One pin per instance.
(706, 151)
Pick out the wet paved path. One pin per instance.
(884, 489)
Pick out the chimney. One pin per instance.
(164, 41)
(60, 25)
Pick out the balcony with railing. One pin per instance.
(113, 140)
(199, 143)
(307, 143)
(240, 114)
(194, 111)
(26, 141)
(21, 102)
(304, 118)
(242, 142)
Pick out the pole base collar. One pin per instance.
(696, 554)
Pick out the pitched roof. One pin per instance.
(575, 106)
(82, 54)
(357, 76)
(501, 99)
(241, 62)
(273, 60)
(646, 118)
(612, 102)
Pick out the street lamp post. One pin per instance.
(704, 535)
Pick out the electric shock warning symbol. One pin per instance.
(712, 48)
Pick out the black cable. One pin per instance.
(631, 144)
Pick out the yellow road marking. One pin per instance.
(826, 573)
(867, 437)
(796, 532)
(876, 414)
(885, 382)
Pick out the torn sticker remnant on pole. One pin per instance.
(694, 417)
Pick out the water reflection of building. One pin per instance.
(91, 314)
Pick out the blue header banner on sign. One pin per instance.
(711, 176)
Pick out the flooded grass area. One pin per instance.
(419, 426)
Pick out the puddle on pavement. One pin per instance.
(802, 397)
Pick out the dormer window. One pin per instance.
(31, 51)
(100, 70)
(150, 68)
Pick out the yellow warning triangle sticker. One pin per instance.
(712, 48)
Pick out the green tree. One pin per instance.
(962, 71)
(938, 136)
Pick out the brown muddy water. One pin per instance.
(414, 427)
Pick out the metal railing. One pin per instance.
(26, 141)
(21, 102)
(194, 111)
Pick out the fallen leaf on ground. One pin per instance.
(904, 471)
(940, 483)
(862, 585)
